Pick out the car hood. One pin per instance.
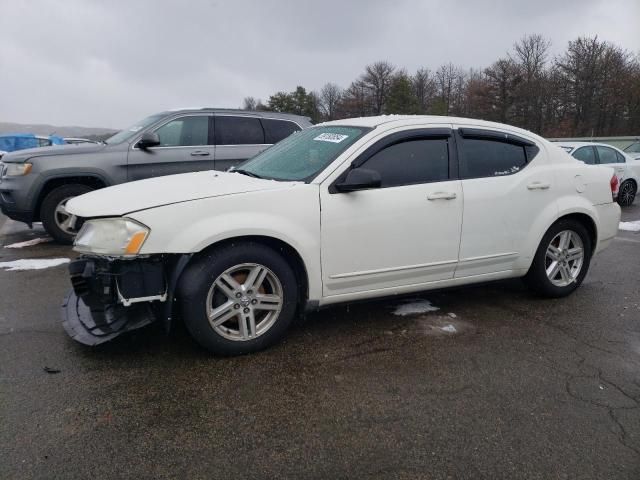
(155, 192)
(20, 156)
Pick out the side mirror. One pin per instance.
(360, 179)
(148, 140)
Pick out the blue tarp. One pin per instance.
(20, 141)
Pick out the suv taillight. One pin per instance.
(614, 186)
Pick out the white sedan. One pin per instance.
(343, 211)
(626, 167)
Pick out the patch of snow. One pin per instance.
(449, 329)
(29, 243)
(630, 226)
(33, 264)
(452, 315)
(415, 308)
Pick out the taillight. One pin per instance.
(614, 186)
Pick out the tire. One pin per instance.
(52, 218)
(627, 193)
(204, 290)
(568, 278)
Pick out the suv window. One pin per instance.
(586, 155)
(238, 131)
(184, 131)
(276, 130)
(490, 158)
(412, 161)
(607, 155)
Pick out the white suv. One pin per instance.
(346, 210)
(626, 168)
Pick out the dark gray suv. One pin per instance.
(36, 184)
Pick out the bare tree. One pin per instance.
(329, 99)
(250, 103)
(355, 101)
(449, 82)
(377, 79)
(424, 89)
(531, 57)
(503, 77)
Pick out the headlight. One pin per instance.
(111, 236)
(16, 169)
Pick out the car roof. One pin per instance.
(399, 120)
(582, 144)
(238, 111)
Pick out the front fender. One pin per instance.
(291, 216)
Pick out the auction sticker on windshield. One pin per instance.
(331, 137)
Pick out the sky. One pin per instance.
(101, 63)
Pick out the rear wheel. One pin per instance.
(238, 299)
(627, 193)
(59, 223)
(562, 259)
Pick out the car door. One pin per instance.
(185, 146)
(237, 138)
(609, 157)
(404, 233)
(508, 196)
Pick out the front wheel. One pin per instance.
(561, 261)
(627, 193)
(59, 223)
(239, 298)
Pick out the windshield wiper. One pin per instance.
(245, 172)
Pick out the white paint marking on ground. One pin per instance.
(33, 264)
(630, 240)
(29, 243)
(630, 226)
(449, 329)
(415, 308)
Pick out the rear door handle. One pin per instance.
(200, 153)
(441, 196)
(538, 186)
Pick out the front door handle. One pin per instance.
(200, 153)
(538, 186)
(441, 196)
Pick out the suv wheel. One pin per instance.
(561, 261)
(55, 218)
(239, 298)
(627, 193)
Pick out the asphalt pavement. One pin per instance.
(494, 384)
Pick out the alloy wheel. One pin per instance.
(627, 194)
(244, 302)
(564, 258)
(64, 220)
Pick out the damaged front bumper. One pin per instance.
(111, 296)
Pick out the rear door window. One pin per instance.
(586, 155)
(491, 158)
(607, 155)
(231, 130)
(276, 130)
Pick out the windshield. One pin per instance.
(127, 133)
(301, 156)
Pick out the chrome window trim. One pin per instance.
(153, 128)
